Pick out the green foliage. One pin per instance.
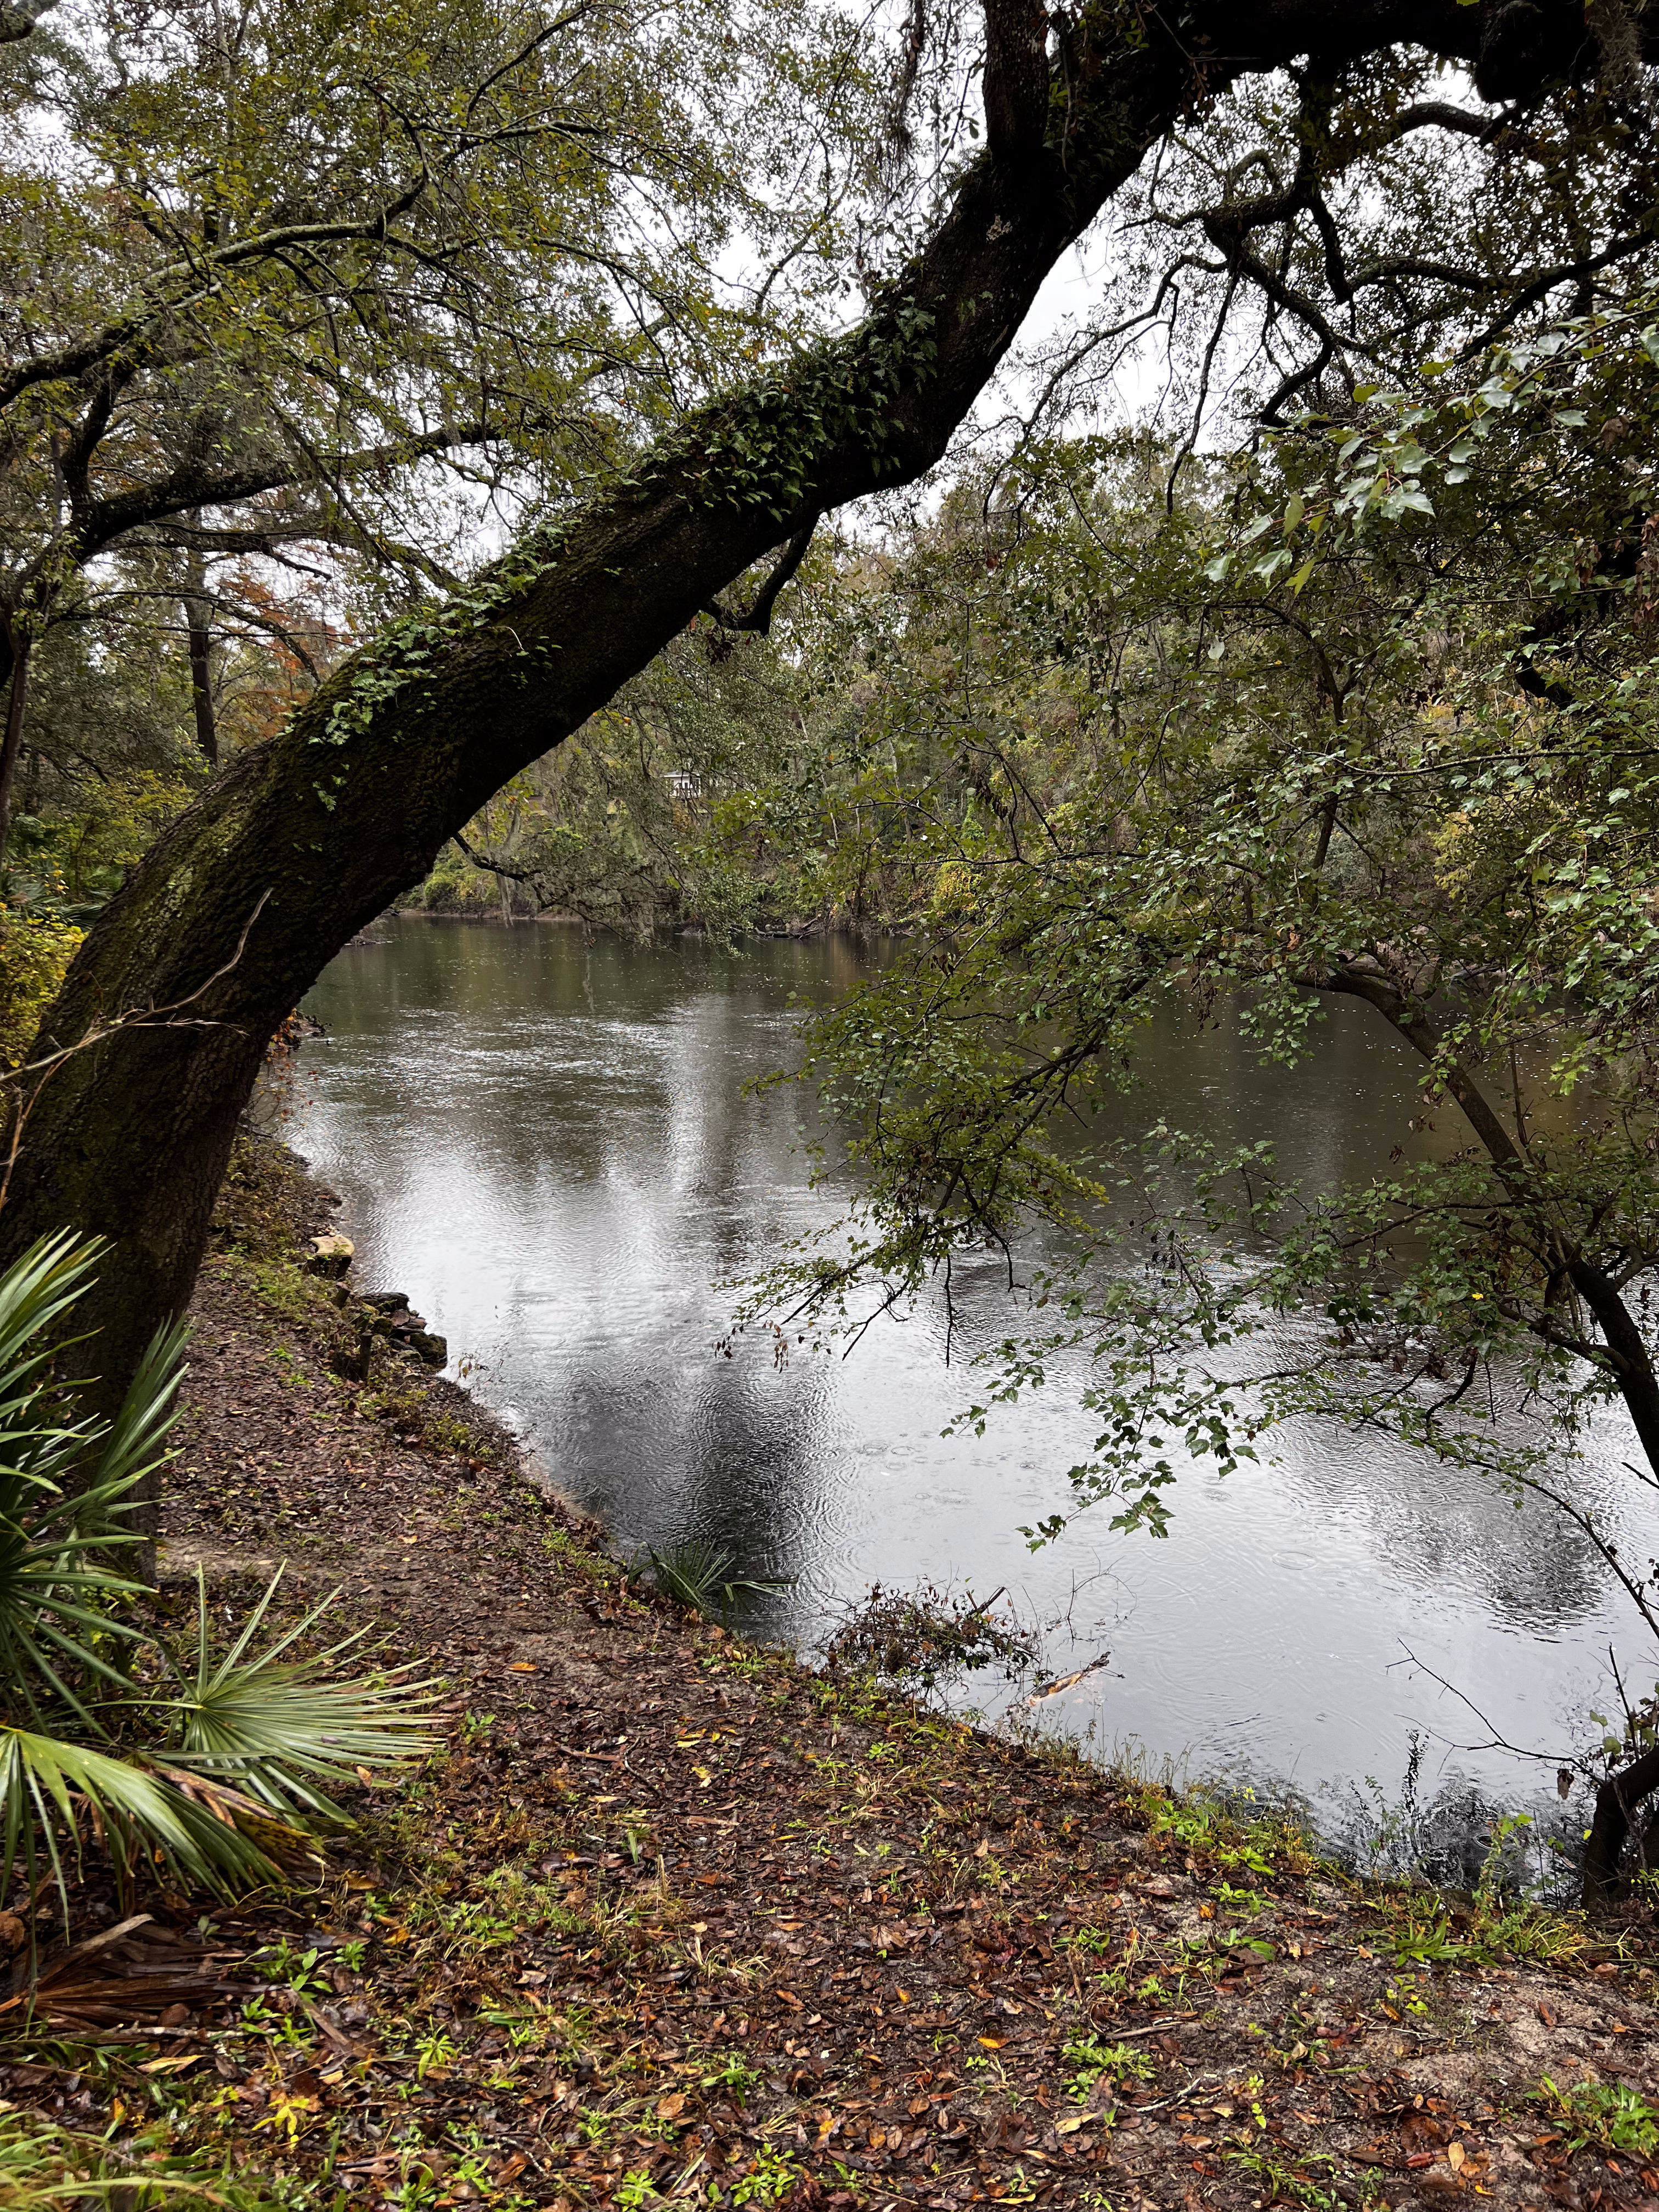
(35, 951)
(209, 1762)
(1608, 2116)
(703, 1578)
(1089, 2059)
(318, 303)
(1421, 1930)
(44, 2165)
(1280, 2182)
(110, 758)
(1236, 1840)
(1370, 716)
(690, 798)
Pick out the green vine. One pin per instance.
(755, 449)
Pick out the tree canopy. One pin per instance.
(325, 300)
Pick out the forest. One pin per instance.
(1121, 512)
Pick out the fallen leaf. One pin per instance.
(1456, 2154)
(521, 1667)
(670, 2108)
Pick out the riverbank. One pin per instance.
(678, 1919)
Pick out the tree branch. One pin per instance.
(758, 615)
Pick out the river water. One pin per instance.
(549, 1145)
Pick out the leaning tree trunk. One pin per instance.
(1618, 1799)
(304, 840)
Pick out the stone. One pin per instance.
(329, 1255)
(386, 1301)
(396, 1323)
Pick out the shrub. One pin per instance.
(35, 951)
(212, 1764)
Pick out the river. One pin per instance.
(549, 1145)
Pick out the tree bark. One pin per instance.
(198, 631)
(322, 827)
(1616, 1803)
(12, 743)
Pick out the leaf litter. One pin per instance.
(678, 1920)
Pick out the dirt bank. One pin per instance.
(677, 1919)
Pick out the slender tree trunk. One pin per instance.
(12, 743)
(1617, 1798)
(199, 630)
(1626, 1347)
(301, 842)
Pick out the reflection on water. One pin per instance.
(549, 1145)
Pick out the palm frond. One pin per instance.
(132, 1447)
(268, 1722)
(39, 1284)
(59, 1588)
(37, 1446)
(46, 2168)
(223, 1799)
(703, 1577)
(53, 1794)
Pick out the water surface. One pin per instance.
(549, 1145)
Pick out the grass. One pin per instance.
(1281, 2184)
(1425, 1930)
(43, 2166)
(1265, 1844)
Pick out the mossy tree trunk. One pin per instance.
(311, 835)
